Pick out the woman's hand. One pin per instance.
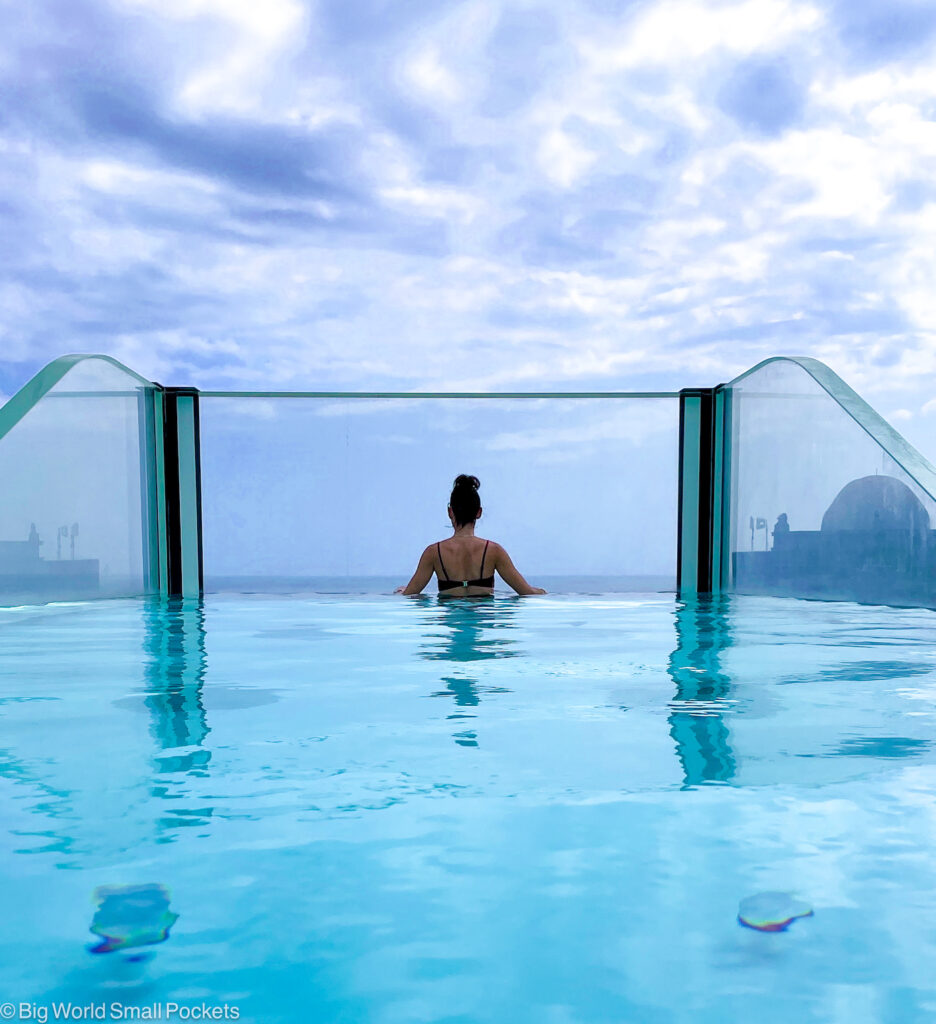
(399, 590)
(538, 590)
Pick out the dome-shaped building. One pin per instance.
(875, 524)
(877, 503)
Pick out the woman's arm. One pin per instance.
(422, 575)
(509, 574)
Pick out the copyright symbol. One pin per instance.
(7, 1011)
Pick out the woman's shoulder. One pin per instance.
(477, 542)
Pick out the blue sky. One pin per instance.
(387, 194)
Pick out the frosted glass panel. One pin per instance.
(818, 507)
(581, 492)
(74, 516)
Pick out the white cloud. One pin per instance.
(847, 176)
(235, 76)
(911, 275)
(675, 31)
(152, 185)
(426, 71)
(631, 420)
(674, 237)
(236, 409)
(436, 202)
(849, 94)
(562, 159)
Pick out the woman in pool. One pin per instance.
(455, 563)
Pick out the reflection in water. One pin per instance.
(54, 802)
(883, 746)
(702, 690)
(864, 671)
(469, 629)
(466, 630)
(174, 639)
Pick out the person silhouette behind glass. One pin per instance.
(781, 529)
(454, 564)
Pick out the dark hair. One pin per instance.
(465, 501)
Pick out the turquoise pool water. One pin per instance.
(381, 809)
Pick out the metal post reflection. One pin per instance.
(175, 671)
(696, 721)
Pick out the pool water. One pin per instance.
(387, 809)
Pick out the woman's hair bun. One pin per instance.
(465, 501)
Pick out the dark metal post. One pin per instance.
(181, 460)
(698, 550)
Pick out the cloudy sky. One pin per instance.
(485, 194)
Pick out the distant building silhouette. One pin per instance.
(23, 571)
(874, 545)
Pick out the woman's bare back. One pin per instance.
(462, 560)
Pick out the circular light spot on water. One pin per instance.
(771, 911)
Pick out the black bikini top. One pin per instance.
(447, 584)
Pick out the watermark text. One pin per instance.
(42, 1013)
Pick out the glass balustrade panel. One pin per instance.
(346, 493)
(77, 491)
(818, 507)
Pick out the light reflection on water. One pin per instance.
(381, 808)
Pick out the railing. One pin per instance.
(823, 497)
(79, 512)
(340, 491)
(783, 481)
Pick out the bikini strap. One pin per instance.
(481, 576)
(441, 562)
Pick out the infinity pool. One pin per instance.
(386, 809)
